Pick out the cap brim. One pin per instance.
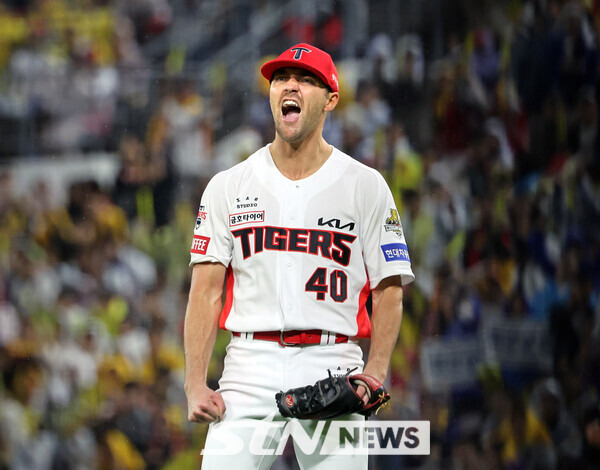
(269, 68)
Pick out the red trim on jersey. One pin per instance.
(230, 281)
(362, 317)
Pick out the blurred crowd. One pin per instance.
(493, 154)
(68, 68)
(75, 73)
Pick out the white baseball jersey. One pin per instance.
(300, 254)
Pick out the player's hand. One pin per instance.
(362, 391)
(205, 405)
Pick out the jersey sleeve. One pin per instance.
(384, 247)
(212, 238)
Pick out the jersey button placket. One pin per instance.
(290, 275)
(289, 281)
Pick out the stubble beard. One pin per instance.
(302, 130)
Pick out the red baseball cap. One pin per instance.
(306, 57)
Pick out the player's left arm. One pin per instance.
(382, 229)
(386, 318)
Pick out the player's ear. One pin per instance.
(332, 101)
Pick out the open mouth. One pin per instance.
(290, 110)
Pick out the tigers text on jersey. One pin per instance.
(300, 254)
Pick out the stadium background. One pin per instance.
(483, 117)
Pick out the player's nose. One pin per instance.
(291, 84)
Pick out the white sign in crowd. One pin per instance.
(511, 343)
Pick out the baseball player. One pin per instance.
(302, 234)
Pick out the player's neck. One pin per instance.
(298, 162)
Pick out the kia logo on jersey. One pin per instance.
(335, 223)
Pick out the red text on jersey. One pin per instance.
(328, 244)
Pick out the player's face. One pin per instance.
(299, 102)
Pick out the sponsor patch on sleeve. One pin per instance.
(392, 223)
(202, 214)
(395, 252)
(246, 218)
(200, 245)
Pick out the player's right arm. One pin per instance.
(200, 331)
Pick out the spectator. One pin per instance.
(179, 140)
(523, 440)
(548, 402)
(591, 438)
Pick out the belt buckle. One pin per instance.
(282, 342)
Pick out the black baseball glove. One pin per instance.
(332, 397)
